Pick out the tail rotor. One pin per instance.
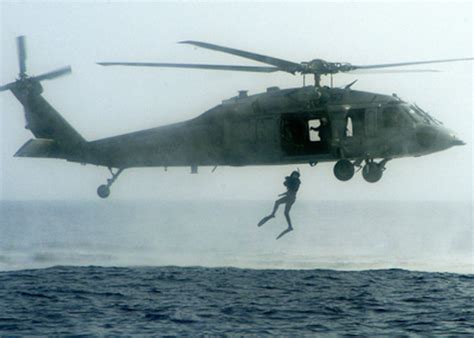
(24, 81)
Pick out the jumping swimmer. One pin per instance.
(292, 184)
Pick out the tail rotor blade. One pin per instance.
(7, 87)
(20, 43)
(53, 74)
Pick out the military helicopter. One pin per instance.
(309, 124)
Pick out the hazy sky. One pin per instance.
(101, 102)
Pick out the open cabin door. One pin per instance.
(301, 135)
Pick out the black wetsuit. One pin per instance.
(292, 184)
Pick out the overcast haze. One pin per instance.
(101, 102)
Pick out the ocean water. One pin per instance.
(215, 301)
(204, 267)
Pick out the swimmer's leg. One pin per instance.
(277, 204)
(272, 215)
(288, 206)
(287, 214)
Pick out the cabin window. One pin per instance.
(319, 130)
(313, 134)
(349, 127)
(355, 123)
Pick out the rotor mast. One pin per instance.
(317, 80)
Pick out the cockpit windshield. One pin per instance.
(412, 111)
(414, 114)
(417, 114)
(425, 114)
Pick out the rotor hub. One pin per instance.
(322, 67)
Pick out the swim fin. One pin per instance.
(287, 230)
(265, 220)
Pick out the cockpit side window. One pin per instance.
(391, 117)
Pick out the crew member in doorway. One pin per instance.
(292, 184)
(324, 131)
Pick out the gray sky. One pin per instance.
(101, 102)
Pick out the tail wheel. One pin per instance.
(372, 172)
(344, 170)
(103, 191)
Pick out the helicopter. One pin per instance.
(304, 125)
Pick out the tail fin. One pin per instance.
(55, 137)
(45, 122)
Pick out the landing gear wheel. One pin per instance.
(344, 170)
(103, 191)
(372, 172)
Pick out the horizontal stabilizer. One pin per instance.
(38, 148)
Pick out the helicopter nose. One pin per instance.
(457, 141)
(452, 139)
(449, 139)
(427, 137)
(437, 139)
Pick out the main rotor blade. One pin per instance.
(401, 64)
(392, 71)
(195, 66)
(284, 65)
(21, 49)
(53, 74)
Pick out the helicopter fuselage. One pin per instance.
(279, 127)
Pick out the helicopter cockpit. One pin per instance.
(401, 114)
